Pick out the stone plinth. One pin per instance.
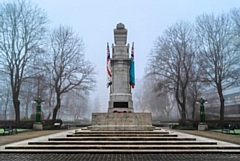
(37, 126)
(202, 127)
(121, 122)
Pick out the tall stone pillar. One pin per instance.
(120, 90)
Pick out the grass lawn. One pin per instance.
(237, 131)
(19, 130)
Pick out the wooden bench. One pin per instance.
(228, 128)
(8, 129)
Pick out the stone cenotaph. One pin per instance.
(121, 115)
(120, 91)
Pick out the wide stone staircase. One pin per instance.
(157, 141)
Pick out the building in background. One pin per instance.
(232, 102)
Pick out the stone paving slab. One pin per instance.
(123, 142)
(232, 138)
(128, 151)
(7, 139)
(201, 138)
(64, 133)
(41, 138)
(117, 157)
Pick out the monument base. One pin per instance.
(122, 110)
(121, 122)
(37, 126)
(202, 127)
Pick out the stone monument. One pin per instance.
(121, 115)
(120, 90)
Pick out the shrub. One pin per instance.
(49, 127)
(186, 128)
(25, 119)
(33, 117)
(26, 124)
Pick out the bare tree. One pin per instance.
(67, 67)
(96, 104)
(164, 101)
(194, 89)
(169, 104)
(26, 95)
(217, 54)
(5, 98)
(21, 31)
(75, 105)
(145, 99)
(139, 96)
(171, 61)
(235, 15)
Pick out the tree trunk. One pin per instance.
(16, 104)
(183, 116)
(182, 111)
(168, 116)
(221, 109)
(55, 110)
(5, 114)
(49, 115)
(26, 111)
(193, 111)
(5, 109)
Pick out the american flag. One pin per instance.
(109, 73)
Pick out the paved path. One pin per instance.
(7, 139)
(214, 135)
(118, 157)
(115, 157)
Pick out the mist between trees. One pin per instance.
(188, 59)
(35, 61)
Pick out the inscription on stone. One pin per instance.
(120, 104)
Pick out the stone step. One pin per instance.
(120, 132)
(123, 143)
(122, 147)
(125, 151)
(120, 135)
(120, 138)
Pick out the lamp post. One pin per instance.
(38, 124)
(202, 125)
(202, 113)
(39, 111)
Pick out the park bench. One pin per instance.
(8, 129)
(57, 125)
(228, 128)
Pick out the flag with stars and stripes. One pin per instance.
(109, 73)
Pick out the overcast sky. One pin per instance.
(145, 20)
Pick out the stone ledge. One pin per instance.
(121, 122)
(121, 128)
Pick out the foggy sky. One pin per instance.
(94, 21)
